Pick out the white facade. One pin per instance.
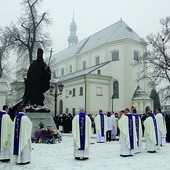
(86, 64)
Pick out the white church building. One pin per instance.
(101, 71)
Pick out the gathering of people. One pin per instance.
(127, 127)
(15, 137)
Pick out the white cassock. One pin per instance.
(101, 127)
(128, 137)
(5, 136)
(138, 124)
(114, 128)
(151, 133)
(161, 128)
(82, 132)
(21, 139)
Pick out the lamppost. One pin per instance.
(58, 87)
(112, 101)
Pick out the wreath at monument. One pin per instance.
(48, 136)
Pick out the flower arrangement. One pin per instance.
(48, 136)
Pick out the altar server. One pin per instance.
(82, 132)
(21, 138)
(5, 134)
(128, 137)
(101, 127)
(151, 132)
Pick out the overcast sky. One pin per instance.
(92, 16)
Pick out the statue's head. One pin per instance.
(40, 55)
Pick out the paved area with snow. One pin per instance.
(103, 156)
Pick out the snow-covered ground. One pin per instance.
(103, 156)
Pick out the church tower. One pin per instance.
(73, 39)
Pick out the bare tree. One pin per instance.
(6, 40)
(157, 58)
(29, 36)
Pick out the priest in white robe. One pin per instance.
(151, 132)
(138, 124)
(128, 137)
(21, 138)
(82, 132)
(101, 127)
(5, 134)
(161, 127)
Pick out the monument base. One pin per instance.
(38, 118)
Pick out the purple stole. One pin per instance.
(155, 126)
(17, 132)
(130, 125)
(1, 114)
(102, 124)
(137, 127)
(82, 122)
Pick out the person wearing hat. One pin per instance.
(21, 138)
(5, 134)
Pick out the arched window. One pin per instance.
(97, 60)
(116, 89)
(136, 55)
(115, 55)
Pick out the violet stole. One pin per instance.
(102, 124)
(137, 127)
(82, 122)
(155, 126)
(17, 132)
(130, 124)
(1, 114)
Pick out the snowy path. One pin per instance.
(102, 157)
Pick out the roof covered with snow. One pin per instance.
(140, 94)
(117, 31)
(79, 73)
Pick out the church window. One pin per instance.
(136, 55)
(74, 111)
(70, 69)
(62, 71)
(66, 110)
(84, 65)
(97, 60)
(116, 89)
(99, 91)
(67, 93)
(81, 91)
(74, 92)
(115, 55)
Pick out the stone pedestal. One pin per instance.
(37, 117)
(3, 89)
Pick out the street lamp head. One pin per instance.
(113, 96)
(60, 87)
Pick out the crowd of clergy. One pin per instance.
(129, 127)
(15, 137)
